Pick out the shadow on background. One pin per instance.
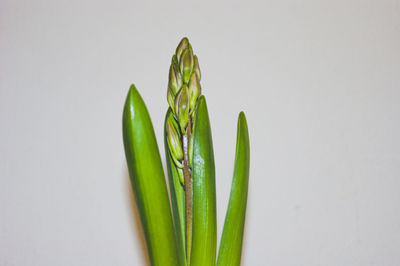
(136, 223)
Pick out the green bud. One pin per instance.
(182, 107)
(174, 141)
(196, 67)
(181, 176)
(171, 99)
(179, 164)
(181, 47)
(186, 64)
(174, 60)
(175, 79)
(194, 91)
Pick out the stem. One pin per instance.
(188, 190)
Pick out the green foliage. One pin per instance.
(232, 236)
(183, 232)
(204, 242)
(148, 181)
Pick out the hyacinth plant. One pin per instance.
(180, 228)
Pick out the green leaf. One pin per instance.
(148, 181)
(177, 196)
(204, 241)
(231, 242)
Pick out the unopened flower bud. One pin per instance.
(196, 67)
(194, 91)
(181, 47)
(171, 99)
(174, 60)
(181, 176)
(174, 140)
(182, 107)
(175, 79)
(186, 64)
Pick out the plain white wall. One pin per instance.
(318, 80)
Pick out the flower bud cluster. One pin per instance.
(184, 91)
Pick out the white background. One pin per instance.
(318, 80)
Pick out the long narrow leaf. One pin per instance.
(148, 182)
(177, 198)
(204, 240)
(231, 242)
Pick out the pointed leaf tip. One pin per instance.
(204, 241)
(144, 161)
(232, 236)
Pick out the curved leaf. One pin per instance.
(148, 182)
(204, 241)
(231, 242)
